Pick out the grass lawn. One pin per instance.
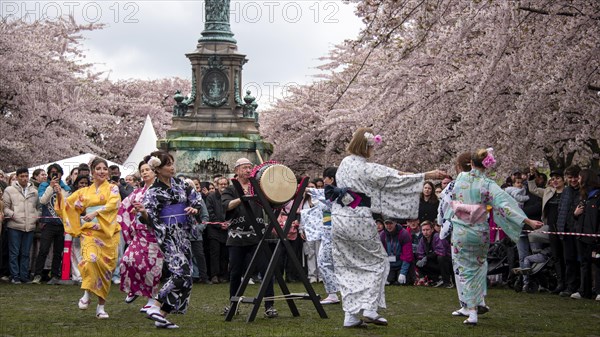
(42, 310)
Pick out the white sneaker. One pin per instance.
(598, 297)
(576, 296)
(312, 279)
(37, 279)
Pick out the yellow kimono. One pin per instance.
(99, 238)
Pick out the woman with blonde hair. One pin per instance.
(98, 230)
(360, 262)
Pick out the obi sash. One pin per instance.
(91, 209)
(174, 213)
(470, 214)
(346, 197)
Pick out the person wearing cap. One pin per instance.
(243, 235)
(398, 244)
(550, 199)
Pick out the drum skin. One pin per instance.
(277, 182)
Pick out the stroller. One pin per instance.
(500, 255)
(542, 277)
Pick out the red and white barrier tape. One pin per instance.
(54, 217)
(556, 233)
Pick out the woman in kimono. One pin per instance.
(471, 195)
(98, 231)
(319, 218)
(169, 208)
(360, 261)
(141, 264)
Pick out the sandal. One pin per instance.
(377, 320)
(130, 298)
(102, 315)
(469, 322)
(459, 313)
(145, 308)
(167, 325)
(330, 301)
(155, 315)
(83, 304)
(358, 325)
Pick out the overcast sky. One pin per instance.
(148, 39)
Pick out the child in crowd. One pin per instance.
(518, 191)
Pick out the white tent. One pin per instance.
(73, 162)
(146, 143)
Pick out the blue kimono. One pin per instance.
(473, 196)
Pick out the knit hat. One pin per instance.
(242, 161)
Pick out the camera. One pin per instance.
(53, 175)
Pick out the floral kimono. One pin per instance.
(360, 260)
(471, 195)
(99, 237)
(173, 228)
(141, 264)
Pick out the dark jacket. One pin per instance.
(242, 231)
(215, 214)
(589, 221)
(568, 202)
(428, 210)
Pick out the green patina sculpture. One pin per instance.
(216, 25)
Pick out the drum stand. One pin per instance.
(272, 269)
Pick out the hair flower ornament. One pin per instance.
(373, 139)
(489, 160)
(154, 162)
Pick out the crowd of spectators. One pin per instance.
(567, 202)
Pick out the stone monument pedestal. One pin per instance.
(214, 126)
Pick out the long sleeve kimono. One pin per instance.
(99, 237)
(360, 261)
(471, 239)
(141, 264)
(173, 233)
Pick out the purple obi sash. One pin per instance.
(174, 213)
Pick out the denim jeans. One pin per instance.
(19, 244)
(199, 260)
(523, 249)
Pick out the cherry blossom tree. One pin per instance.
(437, 78)
(53, 105)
